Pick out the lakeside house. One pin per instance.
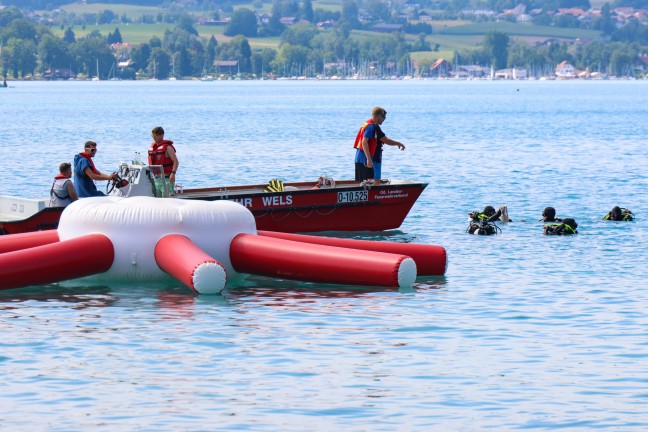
(565, 70)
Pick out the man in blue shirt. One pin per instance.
(369, 146)
(85, 172)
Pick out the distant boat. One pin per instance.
(173, 77)
(111, 74)
(96, 78)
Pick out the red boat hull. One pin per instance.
(343, 208)
(300, 208)
(45, 219)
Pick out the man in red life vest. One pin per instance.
(368, 145)
(163, 153)
(85, 172)
(62, 192)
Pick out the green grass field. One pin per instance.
(450, 35)
(132, 12)
(515, 29)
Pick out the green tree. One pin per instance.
(106, 17)
(159, 64)
(185, 22)
(69, 37)
(140, 55)
(9, 14)
(19, 57)
(92, 53)
(210, 50)
(19, 29)
(115, 37)
(238, 48)
(155, 42)
(243, 22)
(307, 10)
(183, 64)
(496, 43)
(300, 34)
(350, 14)
(53, 52)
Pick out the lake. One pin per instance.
(524, 331)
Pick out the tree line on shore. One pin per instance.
(28, 50)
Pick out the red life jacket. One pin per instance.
(373, 142)
(92, 167)
(157, 155)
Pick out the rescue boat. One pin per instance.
(323, 205)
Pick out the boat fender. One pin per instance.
(274, 186)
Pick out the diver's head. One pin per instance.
(616, 213)
(489, 211)
(549, 213)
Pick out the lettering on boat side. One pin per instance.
(278, 200)
(392, 193)
(352, 196)
(245, 202)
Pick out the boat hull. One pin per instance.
(346, 207)
(45, 219)
(301, 207)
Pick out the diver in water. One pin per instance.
(619, 214)
(549, 215)
(483, 223)
(567, 227)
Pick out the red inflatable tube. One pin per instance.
(288, 259)
(431, 260)
(14, 242)
(55, 262)
(188, 264)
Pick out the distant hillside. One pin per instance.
(53, 4)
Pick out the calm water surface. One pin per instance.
(523, 332)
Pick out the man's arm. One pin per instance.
(172, 155)
(391, 142)
(365, 148)
(101, 176)
(71, 191)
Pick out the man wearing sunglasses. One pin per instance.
(162, 152)
(85, 172)
(369, 145)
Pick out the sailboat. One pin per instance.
(205, 76)
(96, 78)
(111, 74)
(154, 77)
(172, 77)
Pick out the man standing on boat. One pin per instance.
(85, 172)
(368, 145)
(163, 153)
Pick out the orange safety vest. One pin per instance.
(373, 142)
(157, 155)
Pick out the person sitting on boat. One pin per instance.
(368, 145)
(619, 214)
(483, 223)
(85, 172)
(162, 152)
(567, 227)
(549, 215)
(62, 192)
